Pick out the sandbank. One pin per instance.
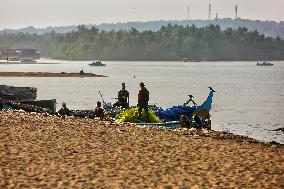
(47, 74)
(18, 62)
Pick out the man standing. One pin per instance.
(143, 99)
(123, 98)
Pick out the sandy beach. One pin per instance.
(47, 74)
(43, 151)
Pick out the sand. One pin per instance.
(41, 151)
(47, 74)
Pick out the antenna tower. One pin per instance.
(209, 14)
(187, 16)
(236, 10)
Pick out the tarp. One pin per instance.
(174, 113)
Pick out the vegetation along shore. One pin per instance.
(172, 42)
(45, 151)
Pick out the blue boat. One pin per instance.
(192, 113)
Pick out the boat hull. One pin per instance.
(50, 104)
(171, 124)
(96, 64)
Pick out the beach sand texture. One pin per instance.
(38, 151)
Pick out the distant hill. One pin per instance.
(268, 28)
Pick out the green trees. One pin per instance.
(172, 42)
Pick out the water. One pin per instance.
(249, 99)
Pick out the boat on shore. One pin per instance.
(97, 63)
(24, 98)
(264, 64)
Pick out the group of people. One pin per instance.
(122, 102)
(143, 99)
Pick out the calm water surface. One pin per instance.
(249, 99)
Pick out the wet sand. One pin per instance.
(47, 74)
(38, 151)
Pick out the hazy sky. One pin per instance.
(42, 13)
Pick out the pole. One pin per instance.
(102, 97)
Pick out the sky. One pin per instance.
(16, 14)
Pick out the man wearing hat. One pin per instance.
(123, 98)
(143, 99)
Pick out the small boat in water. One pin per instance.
(28, 60)
(184, 60)
(97, 63)
(264, 64)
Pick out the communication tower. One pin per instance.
(209, 14)
(187, 16)
(236, 10)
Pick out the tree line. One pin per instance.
(171, 42)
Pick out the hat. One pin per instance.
(142, 84)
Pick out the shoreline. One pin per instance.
(26, 63)
(45, 151)
(47, 74)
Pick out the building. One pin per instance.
(18, 54)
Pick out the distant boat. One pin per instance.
(184, 60)
(28, 60)
(97, 63)
(264, 64)
(195, 60)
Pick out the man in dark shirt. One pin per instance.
(99, 111)
(64, 110)
(123, 98)
(143, 99)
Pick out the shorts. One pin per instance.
(144, 106)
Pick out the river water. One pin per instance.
(249, 99)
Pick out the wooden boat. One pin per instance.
(24, 98)
(97, 63)
(17, 93)
(50, 104)
(264, 64)
(40, 106)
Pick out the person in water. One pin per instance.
(143, 99)
(64, 110)
(99, 111)
(122, 98)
